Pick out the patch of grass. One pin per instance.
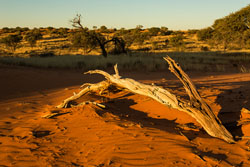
(138, 61)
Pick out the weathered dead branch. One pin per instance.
(196, 107)
(86, 89)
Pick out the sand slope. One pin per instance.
(133, 131)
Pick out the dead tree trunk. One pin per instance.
(196, 107)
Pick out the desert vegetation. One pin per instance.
(140, 114)
(230, 33)
(226, 41)
(11, 41)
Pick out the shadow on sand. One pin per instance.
(121, 107)
(232, 101)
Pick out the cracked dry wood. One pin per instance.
(86, 89)
(196, 107)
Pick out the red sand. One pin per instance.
(133, 131)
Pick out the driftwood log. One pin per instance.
(195, 107)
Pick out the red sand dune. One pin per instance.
(133, 131)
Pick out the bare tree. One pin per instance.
(96, 38)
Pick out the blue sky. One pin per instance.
(174, 14)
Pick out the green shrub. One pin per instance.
(204, 48)
(205, 34)
(230, 30)
(154, 31)
(177, 41)
(33, 36)
(103, 29)
(12, 41)
(84, 40)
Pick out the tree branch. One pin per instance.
(196, 108)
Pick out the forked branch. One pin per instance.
(196, 107)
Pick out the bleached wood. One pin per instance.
(196, 107)
(89, 88)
